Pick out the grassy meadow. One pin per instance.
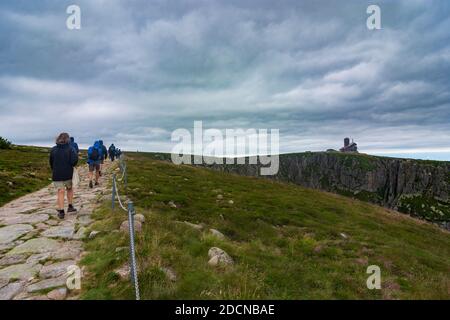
(23, 170)
(287, 242)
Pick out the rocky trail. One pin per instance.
(37, 248)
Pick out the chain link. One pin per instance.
(118, 196)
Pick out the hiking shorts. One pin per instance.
(94, 166)
(63, 184)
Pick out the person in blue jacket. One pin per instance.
(94, 157)
(104, 155)
(74, 145)
(112, 152)
(63, 159)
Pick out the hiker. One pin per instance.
(63, 159)
(74, 145)
(94, 161)
(104, 156)
(112, 152)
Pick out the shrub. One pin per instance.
(4, 143)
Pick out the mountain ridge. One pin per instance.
(420, 188)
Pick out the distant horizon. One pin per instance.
(443, 156)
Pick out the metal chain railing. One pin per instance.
(133, 266)
(115, 191)
(131, 212)
(123, 170)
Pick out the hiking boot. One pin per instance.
(71, 209)
(61, 214)
(90, 184)
(96, 183)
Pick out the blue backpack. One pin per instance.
(94, 154)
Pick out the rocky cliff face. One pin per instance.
(419, 188)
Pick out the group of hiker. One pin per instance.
(64, 158)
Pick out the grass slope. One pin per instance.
(285, 240)
(22, 170)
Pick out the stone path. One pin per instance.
(36, 247)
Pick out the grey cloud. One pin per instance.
(140, 69)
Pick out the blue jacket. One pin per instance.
(112, 150)
(104, 150)
(74, 145)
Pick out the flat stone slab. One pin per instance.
(55, 270)
(8, 292)
(65, 232)
(38, 245)
(30, 235)
(84, 220)
(57, 294)
(11, 233)
(23, 271)
(6, 246)
(47, 284)
(24, 219)
(41, 226)
(39, 257)
(24, 209)
(68, 251)
(68, 221)
(84, 212)
(13, 259)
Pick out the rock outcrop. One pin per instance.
(416, 187)
(219, 257)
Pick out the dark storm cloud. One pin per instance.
(137, 70)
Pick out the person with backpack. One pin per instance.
(112, 152)
(63, 159)
(94, 161)
(104, 155)
(74, 145)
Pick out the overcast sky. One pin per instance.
(139, 69)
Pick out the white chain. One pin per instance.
(123, 174)
(118, 196)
